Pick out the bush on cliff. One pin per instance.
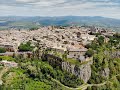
(89, 53)
(2, 50)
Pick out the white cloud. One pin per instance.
(107, 8)
(26, 1)
(48, 3)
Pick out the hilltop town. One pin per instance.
(78, 53)
(59, 45)
(73, 39)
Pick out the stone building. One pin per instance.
(7, 46)
(8, 63)
(76, 53)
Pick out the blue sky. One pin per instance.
(106, 8)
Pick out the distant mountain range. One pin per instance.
(27, 22)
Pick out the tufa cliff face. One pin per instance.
(105, 72)
(82, 71)
(68, 67)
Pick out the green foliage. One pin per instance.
(94, 45)
(25, 47)
(101, 40)
(113, 84)
(9, 58)
(71, 80)
(2, 50)
(114, 66)
(34, 28)
(99, 64)
(89, 53)
(37, 85)
(103, 59)
(115, 41)
(18, 80)
(42, 70)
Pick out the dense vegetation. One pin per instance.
(34, 28)
(106, 60)
(2, 50)
(26, 47)
(36, 74)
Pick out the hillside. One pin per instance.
(57, 72)
(28, 22)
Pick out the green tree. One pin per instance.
(89, 53)
(2, 50)
(33, 28)
(101, 40)
(25, 47)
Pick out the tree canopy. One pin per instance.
(2, 50)
(25, 47)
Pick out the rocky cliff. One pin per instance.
(83, 71)
(105, 72)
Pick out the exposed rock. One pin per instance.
(1, 82)
(82, 71)
(68, 67)
(105, 72)
(113, 54)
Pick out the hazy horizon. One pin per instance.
(60, 16)
(51, 8)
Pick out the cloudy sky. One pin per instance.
(106, 8)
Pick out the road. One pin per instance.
(81, 87)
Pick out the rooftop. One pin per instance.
(78, 50)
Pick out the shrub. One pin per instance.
(101, 40)
(25, 47)
(89, 53)
(2, 50)
(34, 28)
